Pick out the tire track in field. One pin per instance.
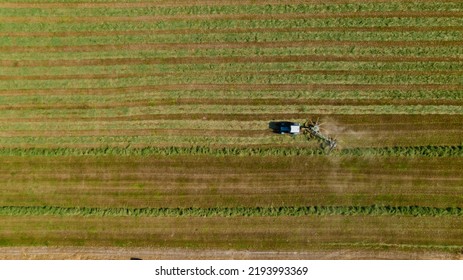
(189, 3)
(222, 60)
(228, 45)
(138, 132)
(227, 73)
(281, 16)
(225, 87)
(231, 30)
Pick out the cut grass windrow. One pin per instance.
(174, 3)
(20, 34)
(255, 78)
(185, 110)
(232, 101)
(443, 97)
(413, 151)
(275, 64)
(227, 45)
(373, 210)
(234, 37)
(357, 50)
(231, 9)
(456, 90)
(247, 16)
(300, 74)
(235, 62)
(214, 24)
(252, 234)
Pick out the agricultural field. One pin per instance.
(142, 128)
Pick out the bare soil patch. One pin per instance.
(115, 253)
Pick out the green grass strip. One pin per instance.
(216, 67)
(373, 210)
(233, 37)
(454, 51)
(234, 9)
(92, 113)
(175, 97)
(239, 78)
(412, 151)
(225, 23)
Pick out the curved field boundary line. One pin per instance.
(372, 210)
(188, 3)
(231, 30)
(224, 87)
(230, 45)
(221, 60)
(407, 14)
(227, 73)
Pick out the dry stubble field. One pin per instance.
(141, 128)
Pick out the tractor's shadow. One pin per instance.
(275, 126)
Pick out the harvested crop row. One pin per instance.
(357, 50)
(255, 79)
(135, 112)
(205, 181)
(103, 100)
(254, 60)
(253, 233)
(308, 67)
(230, 101)
(234, 138)
(357, 123)
(235, 37)
(296, 73)
(155, 10)
(234, 87)
(231, 138)
(125, 150)
(285, 16)
(231, 30)
(223, 117)
(185, 129)
(171, 3)
(301, 78)
(214, 24)
(227, 45)
(373, 210)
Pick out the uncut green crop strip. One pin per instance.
(232, 212)
(132, 116)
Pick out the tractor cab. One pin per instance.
(289, 127)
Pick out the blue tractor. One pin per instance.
(289, 127)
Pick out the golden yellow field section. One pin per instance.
(151, 127)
